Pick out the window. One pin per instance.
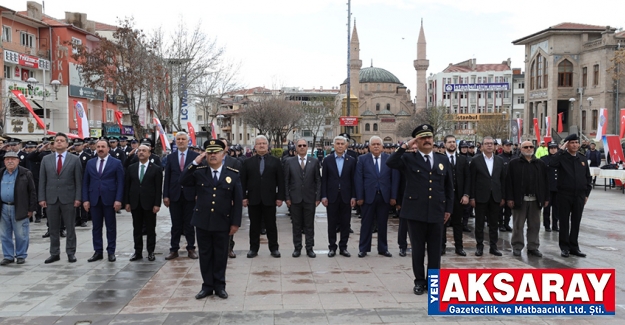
(532, 74)
(366, 87)
(479, 80)
(565, 74)
(375, 126)
(378, 87)
(6, 34)
(595, 80)
(27, 40)
(594, 120)
(76, 42)
(367, 127)
(522, 85)
(388, 107)
(199, 118)
(7, 72)
(545, 75)
(539, 72)
(240, 136)
(490, 94)
(307, 133)
(377, 106)
(109, 115)
(585, 77)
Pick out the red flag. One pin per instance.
(213, 132)
(22, 99)
(118, 116)
(69, 135)
(622, 123)
(191, 133)
(547, 127)
(536, 130)
(560, 117)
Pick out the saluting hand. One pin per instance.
(199, 158)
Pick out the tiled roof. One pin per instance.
(577, 26)
(620, 34)
(478, 68)
(104, 27)
(385, 112)
(566, 26)
(402, 113)
(367, 113)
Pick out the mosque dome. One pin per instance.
(376, 75)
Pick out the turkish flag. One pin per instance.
(537, 130)
(192, 133)
(560, 117)
(622, 123)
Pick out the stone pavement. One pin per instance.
(267, 290)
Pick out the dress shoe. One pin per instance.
(263, 231)
(6, 261)
(502, 228)
(564, 253)
(466, 229)
(232, 254)
(310, 253)
(332, 253)
(443, 251)
(46, 235)
(479, 252)
(578, 253)
(112, 258)
(52, 258)
(297, 253)
(419, 289)
(84, 224)
(275, 253)
(21, 260)
(63, 234)
(345, 253)
(402, 252)
(508, 228)
(387, 254)
(495, 251)
(534, 252)
(252, 254)
(192, 254)
(351, 231)
(461, 252)
(71, 258)
(547, 229)
(360, 254)
(555, 229)
(222, 294)
(136, 257)
(95, 257)
(37, 220)
(151, 257)
(171, 256)
(203, 294)
(516, 252)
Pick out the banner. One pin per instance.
(81, 120)
(602, 123)
(118, 116)
(520, 134)
(191, 133)
(613, 149)
(560, 117)
(470, 292)
(547, 127)
(161, 133)
(22, 99)
(537, 130)
(349, 121)
(622, 133)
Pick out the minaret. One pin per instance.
(421, 64)
(354, 63)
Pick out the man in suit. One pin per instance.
(103, 192)
(487, 187)
(428, 200)
(460, 172)
(180, 199)
(143, 189)
(376, 191)
(262, 180)
(60, 188)
(338, 194)
(303, 194)
(235, 163)
(217, 214)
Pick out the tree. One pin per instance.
(274, 117)
(494, 125)
(437, 116)
(314, 116)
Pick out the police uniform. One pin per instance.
(550, 213)
(428, 196)
(218, 207)
(506, 212)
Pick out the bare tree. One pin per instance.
(494, 125)
(314, 116)
(437, 116)
(274, 117)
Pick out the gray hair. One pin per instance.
(260, 136)
(340, 138)
(301, 139)
(488, 138)
(182, 133)
(375, 137)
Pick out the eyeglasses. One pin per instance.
(302, 145)
(528, 147)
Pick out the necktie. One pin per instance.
(377, 167)
(215, 178)
(59, 165)
(262, 165)
(142, 173)
(427, 161)
(303, 163)
(101, 165)
(453, 161)
(181, 161)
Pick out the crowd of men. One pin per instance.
(431, 186)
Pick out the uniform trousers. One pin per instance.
(570, 208)
(528, 211)
(424, 234)
(550, 213)
(213, 253)
(339, 215)
(504, 219)
(456, 224)
(303, 217)
(402, 233)
(263, 214)
(487, 212)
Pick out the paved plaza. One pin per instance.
(286, 290)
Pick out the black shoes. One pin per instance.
(21, 260)
(461, 252)
(517, 252)
(222, 294)
(402, 252)
(275, 254)
(136, 257)
(46, 235)
(502, 228)
(151, 257)
(555, 229)
(332, 253)
(387, 254)
(6, 261)
(252, 254)
(83, 224)
(345, 253)
(479, 252)
(63, 234)
(547, 229)
(361, 254)
(508, 228)
(419, 289)
(112, 258)
(263, 231)
(495, 251)
(310, 253)
(535, 252)
(232, 254)
(578, 253)
(466, 229)
(71, 258)
(203, 294)
(95, 257)
(297, 253)
(564, 253)
(443, 250)
(52, 259)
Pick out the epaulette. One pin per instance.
(202, 166)
(232, 169)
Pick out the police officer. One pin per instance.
(216, 216)
(574, 186)
(82, 216)
(506, 212)
(115, 151)
(428, 200)
(123, 144)
(550, 213)
(132, 157)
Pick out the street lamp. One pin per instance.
(572, 100)
(55, 86)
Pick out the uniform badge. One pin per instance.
(84, 158)
(22, 157)
(152, 160)
(228, 179)
(441, 166)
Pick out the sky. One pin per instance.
(303, 43)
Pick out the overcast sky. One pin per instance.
(303, 43)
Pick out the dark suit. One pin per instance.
(462, 187)
(550, 213)
(487, 191)
(181, 200)
(376, 188)
(428, 195)
(303, 189)
(262, 192)
(218, 207)
(143, 196)
(339, 190)
(81, 214)
(101, 191)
